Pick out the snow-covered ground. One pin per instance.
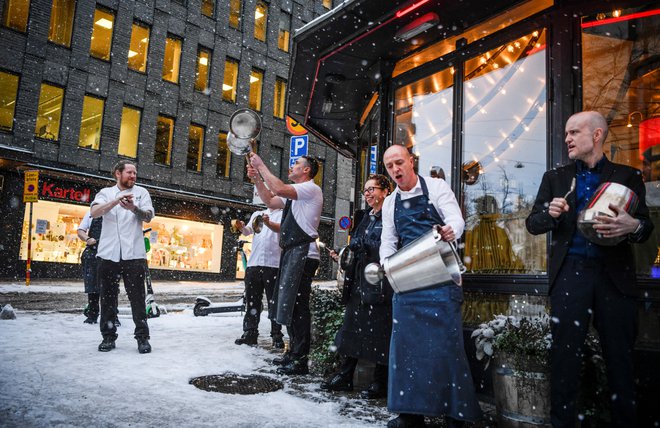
(52, 375)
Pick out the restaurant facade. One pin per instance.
(480, 92)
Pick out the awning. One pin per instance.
(340, 58)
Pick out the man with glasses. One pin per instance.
(302, 202)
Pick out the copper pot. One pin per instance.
(606, 194)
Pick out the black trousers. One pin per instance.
(132, 272)
(258, 279)
(300, 336)
(93, 305)
(349, 365)
(582, 290)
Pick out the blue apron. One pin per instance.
(428, 370)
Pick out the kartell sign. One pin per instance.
(70, 192)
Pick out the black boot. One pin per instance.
(107, 345)
(407, 420)
(375, 390)
(278, 343)
(285, 359)
(90, 320)
(143, 345)
(338, 382)
(295, 367)
(249, 338)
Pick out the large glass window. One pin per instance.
(8, 91)
(61, 21)
(172, 59)
(235, 13)
(195, 148)
(101, 44)
(284, 31)
(223, 161)
(91, 123)
(208, 7)
(137, 52)
(260, 21)
(49, 112)
(504, 146)
(203, 66)
(129, 132)
(318, 179)
(620, 79)
(164, 137)
(15, 14)
(230, 80)
(279, 98)
(256, 89)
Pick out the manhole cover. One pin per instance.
(232, 383)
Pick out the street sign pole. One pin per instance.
(30, 195)
(28, 268)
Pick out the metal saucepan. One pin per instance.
(606, 194)
(258, 223)
(245, 123)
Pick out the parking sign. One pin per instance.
(373, 159)
(298, 148)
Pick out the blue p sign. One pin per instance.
(373, 159)
(298, 148)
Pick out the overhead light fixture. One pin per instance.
(226, 87)
(630, 116)
(254, 79)
(105, 23)
(204, 60)
(258, 14)
(131, 53)
(417, 26)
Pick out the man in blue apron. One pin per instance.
(302, 202)
(428, 369)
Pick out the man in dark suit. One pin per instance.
(588, 279)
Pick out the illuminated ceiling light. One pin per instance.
(510, 48)
(145, 40)
(630, 116)
(204, 60)
(254, 79)
(258, 14)
(416, 27)
(535, 34)
(226, 87)
(496, 65)
(105, 23)
(482, 60)
(131, 53)
(415, 5)
(616, 13)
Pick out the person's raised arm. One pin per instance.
(276, 186)
(101, 205)
(275, 227)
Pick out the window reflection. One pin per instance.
(627, 95)
(260, 21)
(284, 31)
(91, 123)
(203, 65)
(101, 43)
(8, 91)
(223, 161)
(423, 120)
(15, 14)
(256, 89)
(129, 132)
(504, 159)
(208, 7)
(230, 80)
(61, 22)
(172, 60)
(195, 147)
(164, 137)
(49, 112)
(279, 98)
(137, 53)
(234, 13)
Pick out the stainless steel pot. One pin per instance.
(606, 194)
(244, 129)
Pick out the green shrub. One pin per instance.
(327, 317)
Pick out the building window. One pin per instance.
(195, 148)
(8, 92)
(91, 123)
(203, 66)
(276, 159)
(627, 95)
(137, 53)
(279, 98)
(256, 89)
(15, 15)
(129, 132)
(164, 137)
(503, 160)
(284, 31)
(327, 4)
(172, 59)
(223, 160)
(101, 43)
(61, 22)
(318, 179)
(260, 21)
(235, 13)
(208, 7)
(49, 112)
(230, 80)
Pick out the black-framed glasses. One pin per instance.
(371, 189)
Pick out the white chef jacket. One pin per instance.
(444, 201)
(266, 249)
(307, 212)
(121, 236)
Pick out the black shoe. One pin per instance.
(107, 345)
(406, 420)
(296, 367)
(278, 343)
(248, 338)
(90, 320)
(283, 360)
(143, 346)
(338, 382)
(375, 390)
(117, 323)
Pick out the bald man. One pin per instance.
(586, 279)
(429, 374)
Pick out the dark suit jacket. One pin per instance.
(618, 260)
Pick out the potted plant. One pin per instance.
(520, 348)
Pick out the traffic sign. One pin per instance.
(345, 223)
(373, 159)
(299, 145)
(31, 186)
